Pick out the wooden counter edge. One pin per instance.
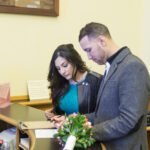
(25, 100)
(36, 102)
(19, 98)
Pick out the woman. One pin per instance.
(74, 88)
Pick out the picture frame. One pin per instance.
(30, 7)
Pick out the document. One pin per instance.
(4, 95)
(38, 89)
(45, 133)
(24, 143)
(36, 125)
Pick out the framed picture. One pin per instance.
(31, 7)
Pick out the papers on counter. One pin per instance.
(36, 125)
(39, 133)
(45, 133)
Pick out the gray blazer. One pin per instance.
(120, 115)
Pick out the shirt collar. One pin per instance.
(111, 58)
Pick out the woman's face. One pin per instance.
(64, 67)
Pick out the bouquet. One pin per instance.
(75, 125)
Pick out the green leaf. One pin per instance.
(81, 140)
(64, 138)
(56, 135)
(83, 133)
(66, 130)
(61, 132)
(78, 145)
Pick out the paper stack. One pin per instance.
(38, 90)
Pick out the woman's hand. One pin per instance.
(58, 119)
(49, 114)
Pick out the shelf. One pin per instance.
(24, 100)
(36, 102)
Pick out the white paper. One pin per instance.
(71, 141)
(45, 133)
(38, 89)
(25, 142)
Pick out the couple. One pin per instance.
(118, 108)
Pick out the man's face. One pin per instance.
(94, 49)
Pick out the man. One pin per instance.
(120, 115)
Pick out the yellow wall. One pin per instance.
(145, 53)
(27, 42)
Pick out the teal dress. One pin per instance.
(69, 102)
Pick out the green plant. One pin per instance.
(78, 126)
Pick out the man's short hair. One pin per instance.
(94, 30)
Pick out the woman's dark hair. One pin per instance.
(59, 85)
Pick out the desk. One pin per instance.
(15, 113)
(148, 136)
(52, 144)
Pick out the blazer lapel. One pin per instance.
(103, 83)
(111, 71)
